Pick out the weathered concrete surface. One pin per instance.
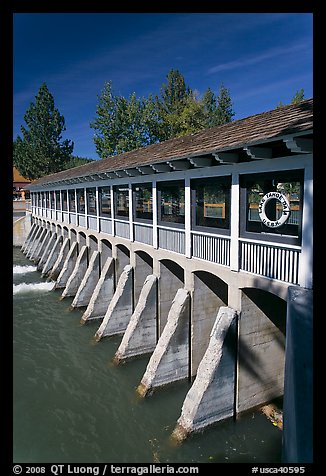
(88, 283)
(261, 349)
(21, 229)
(120, 308)
(211, 396)
(52, 257)
(39, 253)
(102, 295)
(77, 275)
(35, 255)
(29, 237)
(298, 385)
(208, 296)
(47, 250)
(170, 359)
(140, 335)
(143, 268)
(35, 242)
(68, 266)
(171, 278)
(58, 265)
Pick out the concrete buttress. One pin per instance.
(211, 396)
(120, 308)
(89, 282)
(58, 265)
(52, 256)
(140, 335)
(68, 266)
(102, 294)
(170, 359)
(77, 275)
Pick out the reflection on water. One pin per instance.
(71, 404)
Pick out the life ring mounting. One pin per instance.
(286, 210)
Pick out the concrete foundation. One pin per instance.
(170, 359)
(140, 335)
(49, 246)
(58, 265)
(102, 295)
(53, 256)
(21, 229)
(298, 387)
(68, 266)
(120, 308)
(77, 275)
(88, 283)
(211, 397)
(171, 278)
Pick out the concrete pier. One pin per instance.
(89, 281)
(170, 359)
(140, 335)
(58, 265)
(102, 295)
(77, 275)
(68, 266)
(120, 308)
(211, 396)
(53, 256)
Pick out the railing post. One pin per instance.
(306, 256)
(154, 202)
(187, 218)
(97, 202)
(234, 245)
(131, 213)
(112, 212)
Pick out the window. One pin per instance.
(105, 201)
(47, 198)
(64, 200)
(72, 201)
(52, 199)
(272, 204)
(143, 207)
(57, 200)
(211, 198)
(91, 201)
(121, 200)
(172, 200)
(80, 200)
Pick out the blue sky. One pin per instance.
(262, 58)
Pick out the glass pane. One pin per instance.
(52, 198)
(80, 201)
(122, 201)
(172, 202)
(64, 200)
(274, 206)
(105, 201)
(212, 202)
(143, 201)
(91, 201)
(57, 200)
(72, 201)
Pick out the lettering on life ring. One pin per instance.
(285, 209)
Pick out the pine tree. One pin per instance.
(41, 151)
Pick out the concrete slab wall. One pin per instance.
(210, 293)
(21, 229)
(261, 349)
(171, 278)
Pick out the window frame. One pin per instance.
(135, 218)
(115, 201)
(160, 222)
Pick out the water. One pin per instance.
(72, 405)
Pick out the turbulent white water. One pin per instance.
(17, 269)
(32, 287)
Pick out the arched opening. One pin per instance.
(171, 279)
(123, 258)
(143, 268)
(82, 239)
(106, 252)
(65, 232)
(210, 293)
(261, 349)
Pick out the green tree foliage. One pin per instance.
(124, 124)
(298, 97)
(76, 161)
(41, 150)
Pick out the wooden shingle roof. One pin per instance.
(266, 126)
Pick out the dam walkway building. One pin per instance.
(190, 249)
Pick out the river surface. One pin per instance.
(72, 405)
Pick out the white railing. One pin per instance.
(72, 218)
(82, 220)
(92, 222)
(106, 225)
(122, 229)
(270, 260)
(143, 233)
(65, 217)
(171, 239)
(211, 248)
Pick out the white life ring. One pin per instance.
(285, 212)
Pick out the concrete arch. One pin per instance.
(105, 246)
(209, 294)
(122, 260)
(261, 349)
